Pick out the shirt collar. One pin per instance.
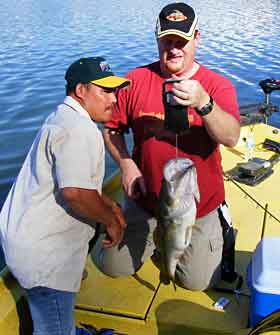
(76, 106)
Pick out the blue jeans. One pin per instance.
(52, 311)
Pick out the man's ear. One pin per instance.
(79, 90)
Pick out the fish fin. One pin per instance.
(195, 185)
(159, 257)
(163, 276)
(188, 236)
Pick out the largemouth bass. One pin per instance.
(176, 213)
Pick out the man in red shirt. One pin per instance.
(212, 112)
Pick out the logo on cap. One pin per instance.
(105, 67)
(176, 16)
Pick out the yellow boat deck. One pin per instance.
(139, 304)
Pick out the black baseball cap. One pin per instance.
(93, 70)
(177, 19)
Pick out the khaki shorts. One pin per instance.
(199, 266)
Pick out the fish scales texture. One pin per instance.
(176, 212)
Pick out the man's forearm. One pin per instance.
(108, 201)
(116, 145)
(131, 175)
(222, 127)
(88, 204)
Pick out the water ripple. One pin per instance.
(39, 39)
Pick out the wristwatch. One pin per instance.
(206, 109)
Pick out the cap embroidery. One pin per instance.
(176, 16)
(105, 67)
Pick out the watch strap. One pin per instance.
(206, 109)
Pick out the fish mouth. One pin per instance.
(176, 168)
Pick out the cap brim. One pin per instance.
(176, 32)
(111, 82)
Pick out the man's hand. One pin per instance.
(115, 228)
(99, 208)
(119, 215)
(190, 93)
(132, 179)
(115, 231)
(220, 124)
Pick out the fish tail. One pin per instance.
(164, 278)
(174, 285)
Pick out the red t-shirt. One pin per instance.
(140, 108)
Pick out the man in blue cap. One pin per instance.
(51, 211)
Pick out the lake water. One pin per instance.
(39, 39)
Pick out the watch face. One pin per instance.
(206, 109)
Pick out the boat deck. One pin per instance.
(141, 305)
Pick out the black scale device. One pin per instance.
(175, 116)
